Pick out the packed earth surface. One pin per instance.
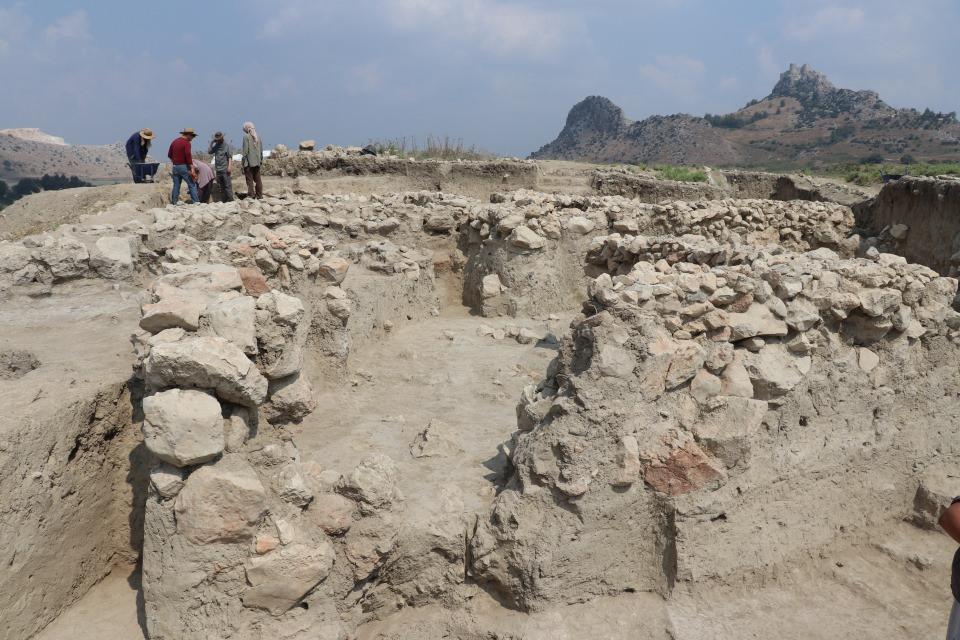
(490, 399)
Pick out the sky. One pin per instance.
(497, 74)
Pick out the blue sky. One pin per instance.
(500, 74)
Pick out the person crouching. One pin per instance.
(204, 179)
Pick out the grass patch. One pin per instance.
(870, 174)
(680, 174)
(434, 148)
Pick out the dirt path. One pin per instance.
(437, 370)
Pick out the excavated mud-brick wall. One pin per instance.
(718, 410)
(918, 218)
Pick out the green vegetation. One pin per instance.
(871, 173)
(680, 174)
(435, 148)
(26, 186)
(732, 120)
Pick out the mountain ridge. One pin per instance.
(804, 121)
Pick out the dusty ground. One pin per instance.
(46, 210)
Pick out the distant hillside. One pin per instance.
(31, 153)
(805, 121)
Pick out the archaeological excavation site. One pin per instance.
(484, 400)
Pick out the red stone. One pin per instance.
(687, 469)
(254, 282)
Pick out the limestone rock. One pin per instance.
(756, 321)
(112, 257)
(166, 480)
(331, 512)
(725, 429)
(65, 257)
(291, 399)
(281, 578)
(281, 334)
(183, 427)
(177, 309)
(526, 238)
(221, 502)
(490, 286)
(628, 462)
(206, 363)
(235, 320)
(774, 371)
(373, 482)
(334, 270)
(209, 278)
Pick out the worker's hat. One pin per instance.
(146, 134)
(189, 132)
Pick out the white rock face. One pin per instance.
(221, 502)
(281, 334)
(183, 427)
(206, 363)
(580, 225)
(490, 286)
(178, 308)
(66, 257)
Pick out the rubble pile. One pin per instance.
(718, 410)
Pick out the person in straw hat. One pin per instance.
(138, 145)
(183, 170)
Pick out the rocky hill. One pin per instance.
(804, 121)
(31, 153)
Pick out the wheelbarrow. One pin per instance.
(144, 171)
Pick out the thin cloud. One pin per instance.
(681, 76)
(496, 27)
(828, 21)
(74, 26)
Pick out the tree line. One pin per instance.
(26, 186)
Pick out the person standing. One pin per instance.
(223, 163)
(137, 147)
(950, 522)
(183, 170)
(252, 159)
(204, 179)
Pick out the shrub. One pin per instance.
(680, 174)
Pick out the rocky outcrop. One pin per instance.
(776, 130)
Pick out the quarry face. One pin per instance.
(401, 399)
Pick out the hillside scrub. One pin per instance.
(680, 174)
(867, 174)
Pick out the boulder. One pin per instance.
(580, 225)
(307, 145)
(331, 512)
(725, 428)
(210, 278)
(235, 320)
(183, 427)
(526, 238)
(112, 257)
(774, 371)
(221, 502)
(13, 257)
(166, 480)
(490, 286)
(66, 257)
(253, 280)
(879, 302)
(281, 334)
(206, 363)
(177, 309)
(756, 321)
(373, 482)
(291, 399)
(282, 577)
(334, 270)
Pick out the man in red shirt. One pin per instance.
(183, 170)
